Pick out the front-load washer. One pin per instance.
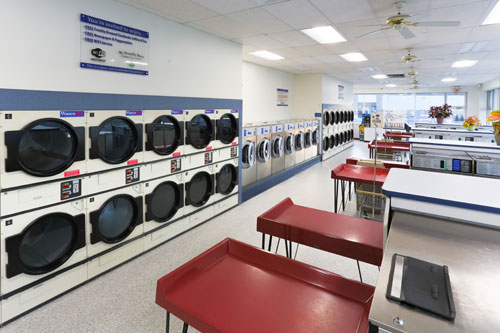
(114, 227)
(199, 193)
(290, 145)
(249, 169)
(116, 139)
(263, 152)
(309, 147)
(299, 143)
(226, 185)
(163, 134)
(41, 146)
(200, 131)
(277, 148)
(227, 128)
(316, 137)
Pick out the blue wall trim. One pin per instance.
(252, 190)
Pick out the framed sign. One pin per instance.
(282, 96)
(341, 91)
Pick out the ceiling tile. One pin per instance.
(292, 38)
(491, 31)
(342, 11)
(291, 53)
(372, 44)
(299, 14)
(308, 61)
(259, 20)
(386, 8)
(186, 10)
(469, 15)
(225, 7)
(314, 50)
(262, 41)
(328, 59)
(223, 26)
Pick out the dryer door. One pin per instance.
(289, 144)
(248, 154)
(263, 150)
(337, 140)
(164, 135)
(326, 143)
(199, 131)
(315, 137)
(308, 139)
(277, 147)
(45, 244)
(299, 141)
(326, 118)
(44, 147)
(199, 189)
(227, 179)
(227, 128)
(332, 117)
(164, 202)
(333, 141)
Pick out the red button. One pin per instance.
(176, 154)
(234, 143)
(71, 173)
(132, 162)
(208, 148)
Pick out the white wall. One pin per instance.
(41, 51)
(259, 92)
(308, 95)
(331, 91)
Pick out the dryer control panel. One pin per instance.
(175, 165)
(71, 189)
(132, 175)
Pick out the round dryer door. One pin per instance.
(47, 147)
(227, 179)
(248, 154)
(299, 141)
(117, 140)
(227, 128)
(199, 131)
(165, 201)
(326, 118)
(337, 117)
(352, 115)
(263, 150)
(277, 147)
(315, 137)
(341, 117)
(199, 189)
(164, 135)
(326, 143)
(117, 218)
(308, 139)
(332, 141)
(332, 117)
(337, 140)
(352, 134)
(289, 144)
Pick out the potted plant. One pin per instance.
(471, 123)
(495, 118)
(440, 112)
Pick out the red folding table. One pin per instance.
(234, 287)
(387, 164)
(389, 146)
(398, 135)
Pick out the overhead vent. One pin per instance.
(396, 76)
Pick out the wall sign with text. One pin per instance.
(282, 96)
(341, 91)
(113, 47)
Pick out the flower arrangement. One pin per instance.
(495, 118)
(471, 122)
(443, 111)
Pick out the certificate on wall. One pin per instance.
(113, 47)
(282, 95)
(341, 91)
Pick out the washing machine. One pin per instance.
(41, 146)
(115, 139)
(309, 146)
(299, 142)
(290, 145)
(227, 128)
(263, 152)
(200, 131)
(277, 148)
(316, 137)
(114, 227)
(163, 134)
(249, 169)
(226, 185)
(199, 190)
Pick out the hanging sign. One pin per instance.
(282, 97)
(341, 91)
(113, 47)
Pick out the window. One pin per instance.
(458, 102)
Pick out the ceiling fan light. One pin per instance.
(464, 63)
(324, 35)
(379, 76)
(449, 79)
(494, 15)
(267, 55)
(390, 85)
(353, 57)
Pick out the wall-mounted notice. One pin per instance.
(282, 97)
(341, 92)
(113, 47)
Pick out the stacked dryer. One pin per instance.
(338, 135)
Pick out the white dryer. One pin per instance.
(226, 185)
(200, 131)
(163, 134)
(116, 139)
(299, 142)
(199, 194)
(227, 128)
(263, 152)
(277, 148)
(290, 145)
(249, 168)
(41, 146)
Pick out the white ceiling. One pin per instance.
(276, 28)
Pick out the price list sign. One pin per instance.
(113, 47)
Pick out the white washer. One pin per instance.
(263, 152)
(299, 143)
(290, 145)
(227, 128)
(309, 142)
(41, 146)
(115, 139)
(200, 131)
(163, 134)
(199, 194)
(249, 168)
(277, 148)
(226, 185)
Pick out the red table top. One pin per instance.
(347, 236)
(387, 164)
(359, 174)
(396, 146)
(234, 287)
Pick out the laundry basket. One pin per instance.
(370, 202)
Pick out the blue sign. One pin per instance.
(113, 69)
(209, 111)
(134, 113)
(114, 26)
(65, 114)
(234, 111)
(177, 111)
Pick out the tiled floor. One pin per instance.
(123, 300)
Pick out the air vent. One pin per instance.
(396, 76)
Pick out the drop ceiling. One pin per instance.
(274, 25)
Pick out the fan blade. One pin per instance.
(406, 33)
(369, 25)
(432, 59)
(438, 24)
(370, 33)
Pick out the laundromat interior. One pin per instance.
(250, 166)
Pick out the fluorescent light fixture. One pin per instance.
(353, 57)
(267, 55)
(390, 85)
(473, 47)
(494, 15)
(449, 79)
(464, 63)
(324, 35)
(379, 76)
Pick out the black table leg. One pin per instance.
(286, 248)
(291, 256)
(350, 186)
(185, 328)
(359, 271)
(167, 328)
(263, 241)
(335, 193)
(342, 188)
(270, 242)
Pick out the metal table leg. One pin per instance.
(263, 241)
(335, 191)
(270, 242)
(359, 271)
(185, 328)
(167, 328)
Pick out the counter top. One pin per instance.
(454, 143)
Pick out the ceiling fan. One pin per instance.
(400, 22)
(410, 58)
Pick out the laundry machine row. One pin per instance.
(337, 124)
(43, 146)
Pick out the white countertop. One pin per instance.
(447, 130)
(454, 143)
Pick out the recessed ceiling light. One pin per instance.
(464, 63)
(449, 79)
(324, 35)
(390, 85)
(353, 57)
(379, 76)
(494, 15)
(267, 55)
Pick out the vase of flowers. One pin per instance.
(471, 123)
(440, 112)
(495, 118)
